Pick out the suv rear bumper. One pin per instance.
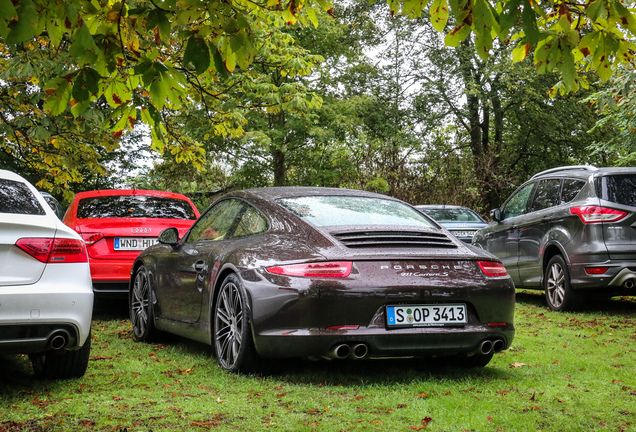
(619, 278)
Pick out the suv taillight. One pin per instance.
(337, 269)
(595, 214)
(48, 250)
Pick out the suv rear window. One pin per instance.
(134, 206)
(17, 198)
(620, 189)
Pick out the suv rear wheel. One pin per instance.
(559, 293)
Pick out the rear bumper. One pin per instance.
(619, 279)
(379, 342)
(111, 270)
(56, 312)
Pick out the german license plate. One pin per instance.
(426, 315)
(133, 243)
(464, 233)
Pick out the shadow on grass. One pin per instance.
(111, 307)
(377, 372)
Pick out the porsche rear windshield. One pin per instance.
(352, 210)
(17, 198)
(134, 206)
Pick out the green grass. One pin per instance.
(564, 372)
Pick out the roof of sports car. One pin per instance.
(272, 193)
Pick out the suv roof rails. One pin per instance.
(565, 168)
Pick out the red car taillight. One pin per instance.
(337, 269)
(48, 250)
(91, 238)
(492, 268)
(595, 214)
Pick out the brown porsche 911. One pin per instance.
(322, 273)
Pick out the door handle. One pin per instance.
(199, 266)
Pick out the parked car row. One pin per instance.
(263, 273)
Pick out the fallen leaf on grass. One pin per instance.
(517, 365)
(425, 422)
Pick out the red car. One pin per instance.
(118, 224)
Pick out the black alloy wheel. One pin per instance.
(141, 314)
(559, 293)
(232, 337)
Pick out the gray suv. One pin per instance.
(570, 231)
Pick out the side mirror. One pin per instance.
(169, 236)
(496, 215)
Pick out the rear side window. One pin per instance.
(546, 195)
(620, 189)
(571, 189)
(134, 206)
(227, 219)
(17, 198)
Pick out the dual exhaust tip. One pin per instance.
(359, 351)
(354, 351)
(491, 345)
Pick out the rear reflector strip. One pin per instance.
(596, 270)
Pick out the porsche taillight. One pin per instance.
(492, 268)
(335, 269)
(60, 250)
(595, 214)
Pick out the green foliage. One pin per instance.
(572, 39)
(617, 104)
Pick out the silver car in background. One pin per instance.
(46, 294)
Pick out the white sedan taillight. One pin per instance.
(60, 250)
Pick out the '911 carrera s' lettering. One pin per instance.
(420, 274)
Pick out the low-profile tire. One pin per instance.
(140, 302)
(62, 364)
(232, 334)
(559, 293)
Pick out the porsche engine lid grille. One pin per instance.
(410, 239)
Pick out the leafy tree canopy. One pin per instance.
(570, 37)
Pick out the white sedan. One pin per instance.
(46, 294)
